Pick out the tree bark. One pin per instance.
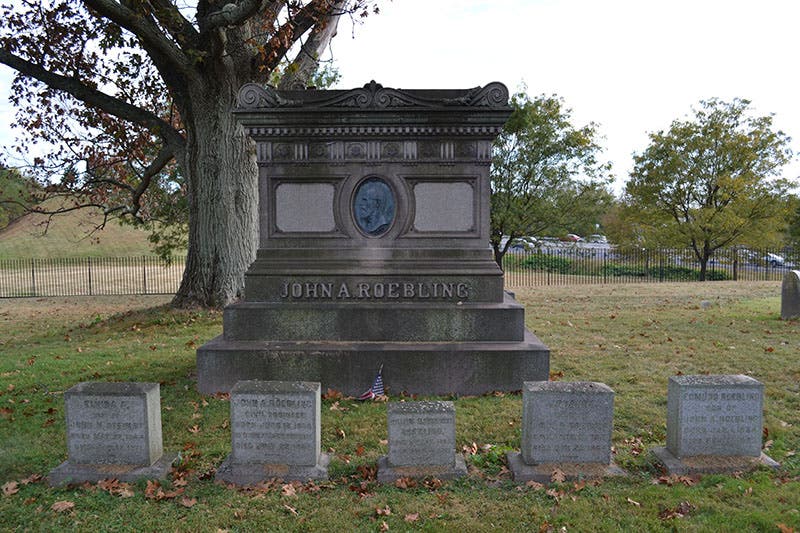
(222, 179)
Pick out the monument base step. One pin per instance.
(390, 474)
(543, 473)
(462, 368)
(248, 474)
(69, 473)
(711, 464)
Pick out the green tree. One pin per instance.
(134, 99)
(545, 173)
(711, 181)
(16, 195)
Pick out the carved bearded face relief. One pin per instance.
(374, 207)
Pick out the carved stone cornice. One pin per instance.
(372, 96)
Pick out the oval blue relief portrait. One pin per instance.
(374, 207)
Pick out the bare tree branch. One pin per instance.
(144, 29)
(108, 103)
(175, 23)
(306, 63)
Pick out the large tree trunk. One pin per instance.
(221, 177)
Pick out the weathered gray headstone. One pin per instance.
(374, 247)
(565, 426)
(422, 442)
(714, 424)
(113, 431)
(790, 295)
(275, 433)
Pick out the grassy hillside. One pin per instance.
(70, 235)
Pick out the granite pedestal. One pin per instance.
(275, 433)
(566, 426)
(714, 425)
(113, 431)
(422, 441)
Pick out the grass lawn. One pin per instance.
(631, 337)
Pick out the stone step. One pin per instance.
(465, 368)
(374, 322)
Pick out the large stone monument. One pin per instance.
(374, 247)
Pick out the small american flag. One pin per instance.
(376, 389)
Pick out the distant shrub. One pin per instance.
(548, 263)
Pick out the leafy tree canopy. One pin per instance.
(711, 181)
(546, 176)
(133, 97)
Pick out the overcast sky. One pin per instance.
(630, 66)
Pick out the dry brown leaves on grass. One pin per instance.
(115, 488)
(154, 491)
(783, 528)
(62, 506)
(10, 488)
(411, 518)
(383, 511)
(679, 511)
(675, 480)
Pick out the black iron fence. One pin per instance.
(585, 264)
(89, 276)
(548, 265)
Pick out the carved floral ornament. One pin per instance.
(372, 96)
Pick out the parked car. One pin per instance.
(775, 260)
(571, 237)
(597, 238)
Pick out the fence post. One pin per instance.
(735, 264)
(144, 274)
(89, 270)
(33, 277)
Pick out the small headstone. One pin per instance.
(275, 433)
(714, 424)
(113, 431)
(566, 428)
(790, 295)
(422, 442)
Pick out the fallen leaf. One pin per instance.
(384, 526)
(62, 506)
(632, 502)
(433, 483)
(385, 511)
(33, 478)
(679, 511)
(340, 433)
(188, 502)
(288, 490)
(10, 488)
(194, 429)
(332, 394)
(783, 528)
(48, 422)
(291, 509)
(359, 450)
(534, 485)
(557, 476)
(405, 483)
(411, 517)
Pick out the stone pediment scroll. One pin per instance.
(372, 96)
